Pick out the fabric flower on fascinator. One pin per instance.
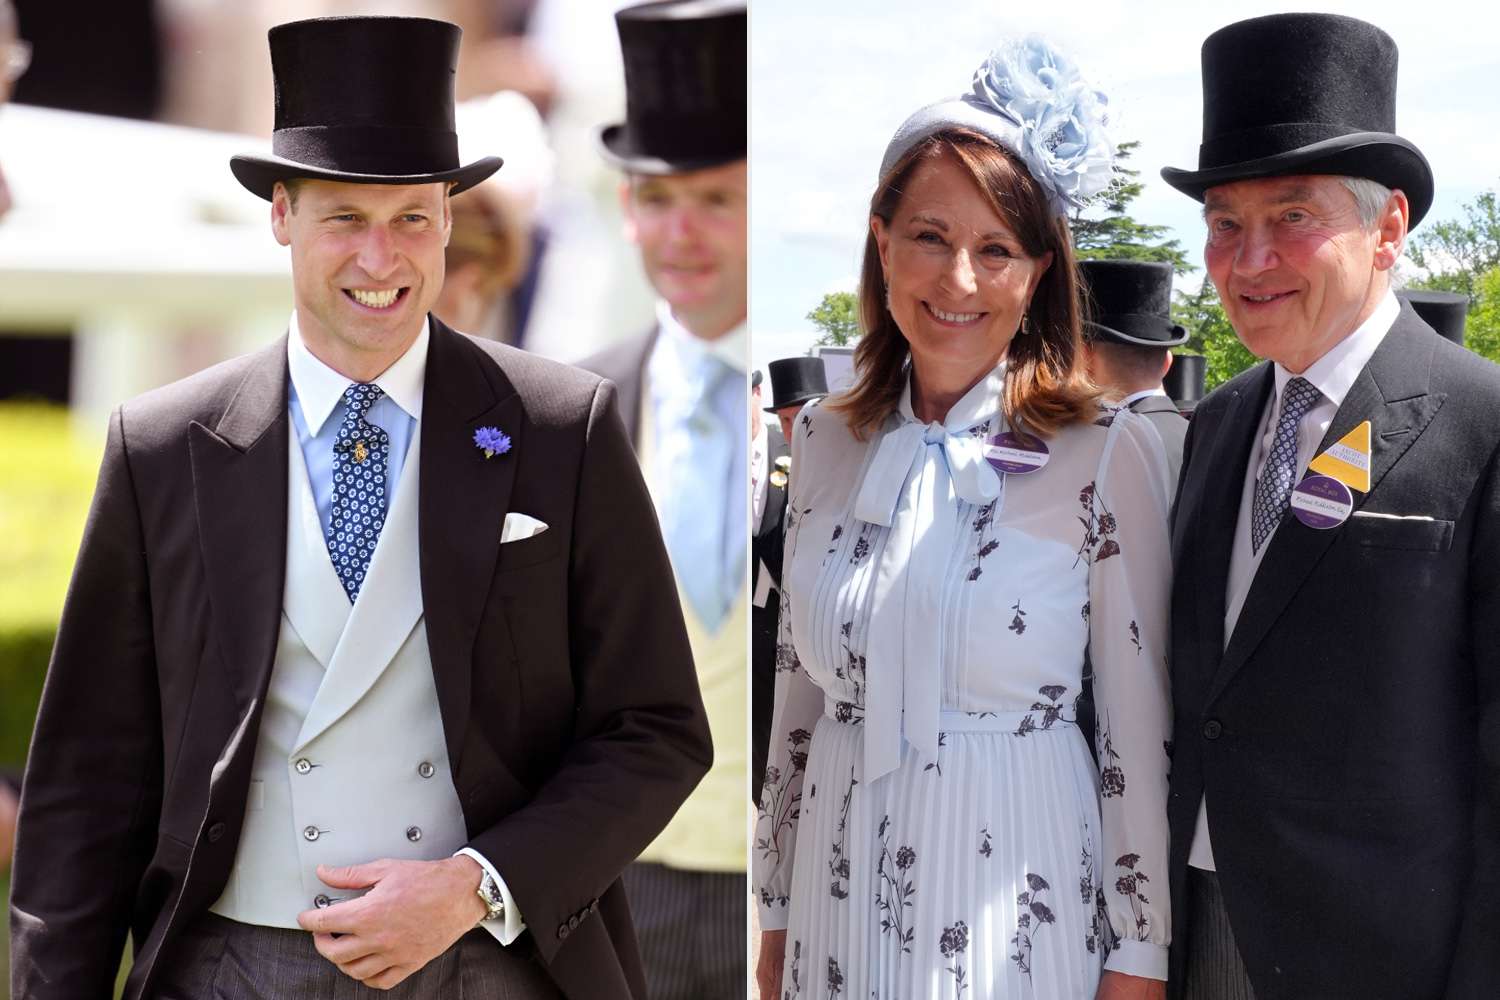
(1062, 118)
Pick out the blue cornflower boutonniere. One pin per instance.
(492, 441)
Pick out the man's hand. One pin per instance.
(1118, 986)
(413, 913)
(768, 968)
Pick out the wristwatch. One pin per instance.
(489, 894)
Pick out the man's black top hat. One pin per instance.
(1185, 379)
(363, 99)
(685, 87)
(796, 380)
(1131, 303)
(1445, 312)
(1303, 94)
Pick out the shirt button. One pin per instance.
(414, 833)
(426, 770)
(1213, 729)
(304, 766)
(321, 901)
(311, 833)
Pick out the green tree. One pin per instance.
(1117, 235)
(1482, 331)
(1210, 334)
(1457, 254)
(837, 316)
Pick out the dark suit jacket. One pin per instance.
(1348, 737)
(567, 690)
(766, 545)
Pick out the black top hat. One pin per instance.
(685, 87)
(1132, 302)
(796, 380)
(1303, 94)
(1184, 380)
(1445, 312)
(363, 99)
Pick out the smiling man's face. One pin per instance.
(1295, 267)
(367, 265)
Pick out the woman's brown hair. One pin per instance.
(1045, 386)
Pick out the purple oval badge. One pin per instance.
(1322, 502)
(1015, 453)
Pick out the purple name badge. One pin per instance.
(1322, 502)
(1016, 454)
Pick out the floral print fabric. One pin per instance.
(1003, 866)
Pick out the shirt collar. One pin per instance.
(1143, 394)
(980, 403)
(676, 339)
(319, 388)
(1334, 373)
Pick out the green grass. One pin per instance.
(47, 474)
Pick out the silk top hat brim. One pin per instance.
(1130, 302)
(686, 87)
(1290, 94)
(364, 100)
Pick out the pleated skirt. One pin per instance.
(974, 876)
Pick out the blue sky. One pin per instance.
(831, 80)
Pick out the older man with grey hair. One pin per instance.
(1335, 802)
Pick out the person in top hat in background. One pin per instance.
(683, 395)
(370, 669)
(1445, 312)
(1335, 796)
(794, 383)
(770, 462)
(1128, 341)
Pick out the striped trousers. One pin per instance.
(1215, 970)
(692, 931)
(221, 959)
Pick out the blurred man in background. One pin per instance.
(682, 392)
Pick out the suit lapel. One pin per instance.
(1392, 393)
(1209, 530)
(239, 493)
(463, 500)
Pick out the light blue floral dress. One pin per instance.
(932, 824)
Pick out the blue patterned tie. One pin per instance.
(1273, 491)
(359, 481)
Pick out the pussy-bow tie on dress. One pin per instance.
(910, 487)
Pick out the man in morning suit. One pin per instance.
(1127, 344)
(682, 393)
(361, 675)
(1335, 790)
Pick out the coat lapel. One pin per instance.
(239, 493)
(1392, 393)
(463, 500)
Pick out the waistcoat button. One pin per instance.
(414, 833)
(426, 770)
(312, 833)
(304, 766)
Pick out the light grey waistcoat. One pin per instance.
(350, 763)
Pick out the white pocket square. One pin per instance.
(1392, 517)
(519, 526)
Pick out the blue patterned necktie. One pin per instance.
(698, 485)
(1273, 491)
(359, 482)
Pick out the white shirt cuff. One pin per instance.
(773, 916)
(507, 930)
(1138, 958)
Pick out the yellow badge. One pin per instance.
(778, 479)
(360, 451)
(1348, 459)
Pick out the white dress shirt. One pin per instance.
(1332, 375)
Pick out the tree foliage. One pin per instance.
(837, 317)
(1457, 254)
(1482, 330)
(1118, 235)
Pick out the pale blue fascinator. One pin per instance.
(1030, 99)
